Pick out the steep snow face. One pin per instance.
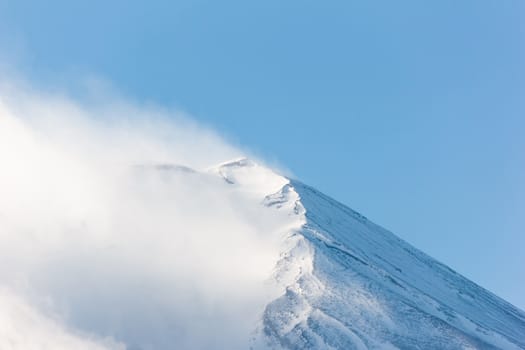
(346, 283)
(350, 284)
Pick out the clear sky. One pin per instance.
(411, 112)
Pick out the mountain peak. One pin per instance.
(250, 176)
(238, 163)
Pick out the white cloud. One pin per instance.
(151, 257)
(23, 327)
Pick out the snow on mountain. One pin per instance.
(348, 283)
(236, 256)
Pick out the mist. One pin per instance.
(114, 233)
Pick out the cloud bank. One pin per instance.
(109, 240)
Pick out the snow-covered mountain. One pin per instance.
(347, 283)
(101, 255)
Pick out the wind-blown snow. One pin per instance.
(102, 226)
(23, 327)
(119, 235)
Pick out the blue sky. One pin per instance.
(410, 112)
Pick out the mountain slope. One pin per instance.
(161, 256)
(348, 283)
